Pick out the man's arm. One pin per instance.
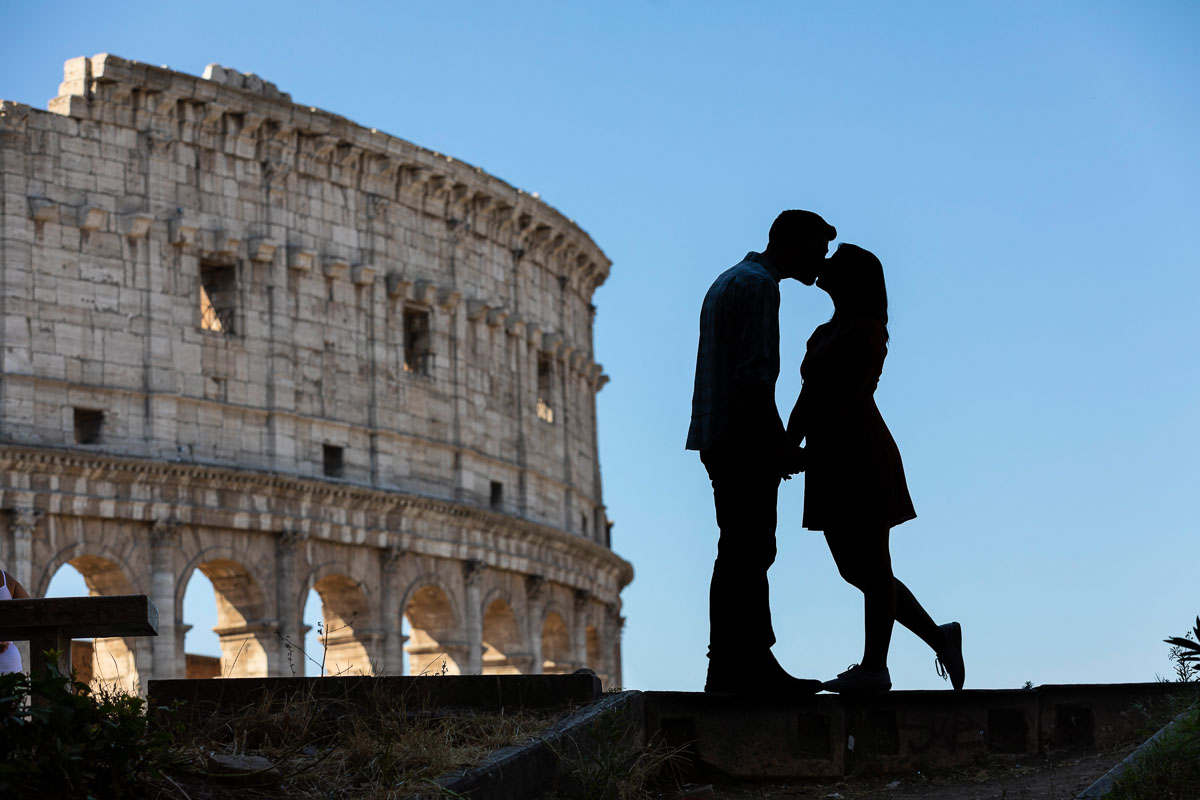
(755, 376)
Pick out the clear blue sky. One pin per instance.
(1027, 172)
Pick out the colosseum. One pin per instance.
(255, 339)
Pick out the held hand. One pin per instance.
(4, 646)
(791, 460)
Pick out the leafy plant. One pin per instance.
(1185, 654)
(75, 742)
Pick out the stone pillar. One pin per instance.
(24, 522)
(610, 644)
(618, 679)
(535, 588)
(579, 634)
(391, 614)
(290, 641)
(246, 649)
(164, 663)
(473, 577)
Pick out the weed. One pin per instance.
(322, 639)
(76, 741)
(608, 764)
(1170, 768)
(1185, 655)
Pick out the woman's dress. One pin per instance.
(854, 477)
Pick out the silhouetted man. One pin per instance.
(743, 445)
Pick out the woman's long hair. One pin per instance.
(859, 287)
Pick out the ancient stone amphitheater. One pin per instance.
(255, 339)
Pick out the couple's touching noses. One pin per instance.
(855, 490)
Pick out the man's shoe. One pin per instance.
(949, 662)
(758, 678)
(858, 680)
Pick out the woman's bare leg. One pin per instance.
(864, 559)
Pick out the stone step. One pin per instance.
(896, 732)
(482, 692)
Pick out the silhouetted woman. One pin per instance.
(854, 488)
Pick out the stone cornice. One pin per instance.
(334, 511)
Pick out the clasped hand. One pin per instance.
(791, 459)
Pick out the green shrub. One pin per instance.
(75, 742)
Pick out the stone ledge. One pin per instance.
(225, 695)
(523, 771)
(894, 732)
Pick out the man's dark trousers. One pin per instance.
(745, 492)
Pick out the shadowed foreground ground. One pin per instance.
(1041, 779)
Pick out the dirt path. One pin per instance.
(1040, 779)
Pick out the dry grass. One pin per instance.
(379, 747)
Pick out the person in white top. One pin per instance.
(10, 656)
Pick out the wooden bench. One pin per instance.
(49, 623)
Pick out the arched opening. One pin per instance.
(245, 636)
(110, 662)
(431, 647)
(201, 645)
(309, 661)
(344, 616)
(556, 645)
(68, 582)
(501, 640)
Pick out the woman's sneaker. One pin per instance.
(858, 680)
(949, 663)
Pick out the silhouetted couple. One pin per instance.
(855, 490)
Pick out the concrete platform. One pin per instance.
(895, 732)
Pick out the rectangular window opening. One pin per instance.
(418, 345)
(218, 298)
(88, 423)
(335, 464)
(583, 522)
(497, 496)
(545, 384)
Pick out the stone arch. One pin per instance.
(556, 643)
(348, 635)
(116, 661)
(247, 636)
(434, 627)
(503, 653)
(107, 572)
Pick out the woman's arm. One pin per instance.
(797, 426)
(14, 587)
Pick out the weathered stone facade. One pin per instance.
(255, 339)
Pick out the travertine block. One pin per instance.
(183, 232)
(91, 218)
(363, 274)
